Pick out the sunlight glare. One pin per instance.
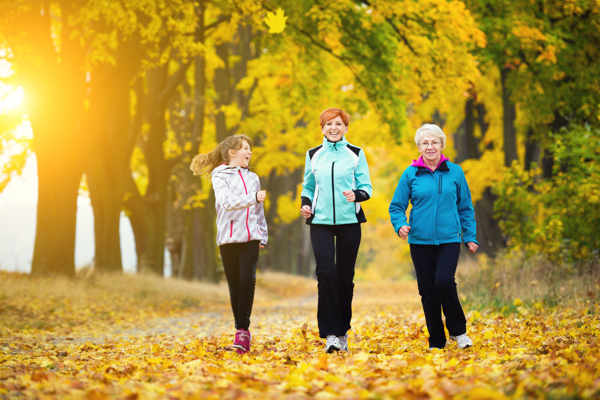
(10, 98)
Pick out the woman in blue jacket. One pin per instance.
(336, 181)
(441, 212)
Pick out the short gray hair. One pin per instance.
(431, 130)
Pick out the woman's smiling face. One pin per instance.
(334, 129)
(431, 148)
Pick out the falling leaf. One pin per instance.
(276, 21)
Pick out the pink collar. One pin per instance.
(421, 163)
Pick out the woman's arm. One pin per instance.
(466, 212)
(399, 202)
(308, 186)
(364, 189)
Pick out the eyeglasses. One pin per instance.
(425, 145)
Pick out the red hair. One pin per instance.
(332, 113)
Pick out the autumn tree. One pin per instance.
(48, 58)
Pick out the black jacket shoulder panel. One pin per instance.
(355, 150)
(312, 152)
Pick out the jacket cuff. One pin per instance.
(361, 195)
(306, 201)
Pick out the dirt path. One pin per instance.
(283, 314)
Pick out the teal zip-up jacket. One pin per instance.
(330, 169)
(441, 204)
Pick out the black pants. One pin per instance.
(435, 266)
(335, 248)
(239, 262)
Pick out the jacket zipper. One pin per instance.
(231, 229)
(440, 189)
(333, 182)
(333, 190)
(247, 209)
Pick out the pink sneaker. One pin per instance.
(242, 341)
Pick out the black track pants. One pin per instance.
(435, 266)
(239, 262)
(335, 248)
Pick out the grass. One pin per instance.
(498, 283)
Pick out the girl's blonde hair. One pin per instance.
(203, 164)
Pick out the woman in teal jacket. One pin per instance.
(441, 213)
(336, 181)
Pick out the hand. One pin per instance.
(403, 232)
(472, 247)
(261, 195)
(261, 246)
(350, 196)
(305, 211)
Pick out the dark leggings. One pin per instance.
(435, 266)
(335, 248)
(239, 262)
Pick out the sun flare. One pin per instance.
(11, 98)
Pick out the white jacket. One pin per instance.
(240, 217)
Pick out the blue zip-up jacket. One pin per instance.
(330, 169)
(441, 205)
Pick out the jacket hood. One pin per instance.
(421, 163)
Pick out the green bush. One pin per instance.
(557, 218)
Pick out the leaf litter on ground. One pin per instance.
(144, 337)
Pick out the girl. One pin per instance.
(241, 224)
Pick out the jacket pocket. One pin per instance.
(440, 186)
(457, 224)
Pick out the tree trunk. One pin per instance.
(109, 152)
(289, 248)
(557, 124)
(59, 175)
(56, 85)
(193, 228)
(489, 235)
(510, 114)
(222, 87)
(532, 150)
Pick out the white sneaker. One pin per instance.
(463, 341)
(344, 342)
(333, 344)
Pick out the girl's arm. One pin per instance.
(259, 210)
(262, 223)
(227, 201)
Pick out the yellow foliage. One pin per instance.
(287, 209)
(484, 172)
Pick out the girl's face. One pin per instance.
(334, 129)
(241, 157)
